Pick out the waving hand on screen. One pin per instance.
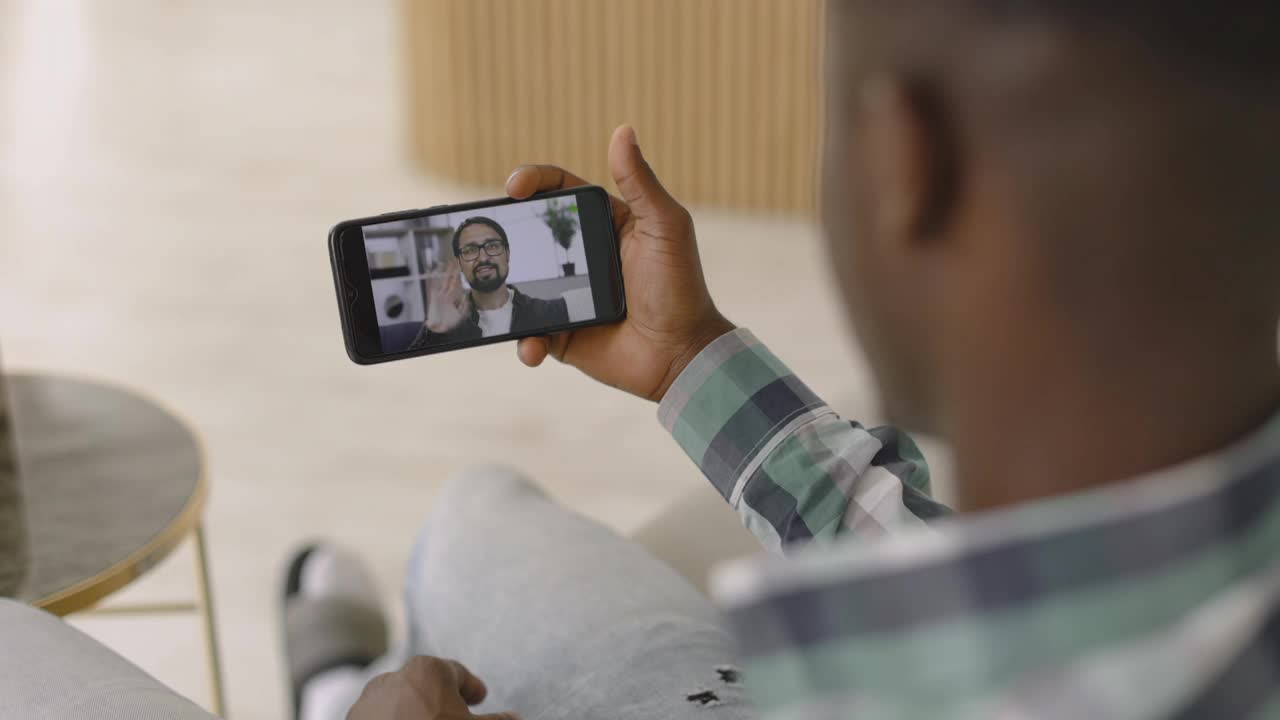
(447, 303)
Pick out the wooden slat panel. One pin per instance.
(724, 93)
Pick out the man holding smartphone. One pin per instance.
(1054, 223)
(482, 254)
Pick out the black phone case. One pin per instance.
(344, 300)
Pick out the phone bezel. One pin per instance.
(355, 288)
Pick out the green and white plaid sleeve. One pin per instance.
(1158, 597)
(793, 469)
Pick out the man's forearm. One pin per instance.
(793, 469)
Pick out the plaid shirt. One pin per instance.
(1156, 598)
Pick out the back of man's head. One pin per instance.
(1020, 190)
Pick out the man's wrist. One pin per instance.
(715, 328)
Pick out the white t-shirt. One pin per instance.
(496, 322)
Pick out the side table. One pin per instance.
(110, 483)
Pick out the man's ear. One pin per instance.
(909, 158)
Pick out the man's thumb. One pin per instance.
(636, 182)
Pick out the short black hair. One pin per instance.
(479, 220)
(1236, 41)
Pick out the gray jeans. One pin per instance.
(560, 616)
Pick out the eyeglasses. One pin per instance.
(492, 248)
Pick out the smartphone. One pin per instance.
(446, 278)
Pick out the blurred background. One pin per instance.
(168, 173)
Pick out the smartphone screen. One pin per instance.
(447, 278)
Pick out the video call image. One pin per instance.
(481, 273)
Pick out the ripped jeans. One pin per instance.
(558, 615)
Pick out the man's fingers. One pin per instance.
(470, 687)
(558, 345)
(422, 671)
(637, 182)
(532, 351)
(530, 179)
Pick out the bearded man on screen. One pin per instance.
(482, 254)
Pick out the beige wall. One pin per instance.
(724, 93)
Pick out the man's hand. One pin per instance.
(426, 688)
(670, 315)
(446, 302)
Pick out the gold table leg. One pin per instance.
(203, 606)
(210, 629)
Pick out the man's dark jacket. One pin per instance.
(527, 314)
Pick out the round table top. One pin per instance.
(108, 484)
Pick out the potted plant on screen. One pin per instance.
(562, 220)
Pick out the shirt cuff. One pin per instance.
(729, 402)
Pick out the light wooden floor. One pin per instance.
(168, 171)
